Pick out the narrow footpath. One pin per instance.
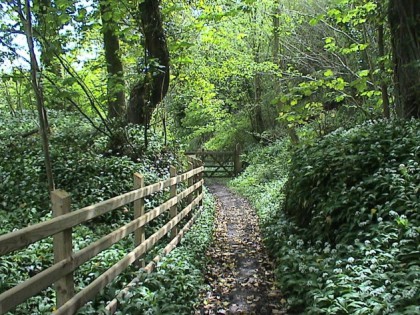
(240, 273)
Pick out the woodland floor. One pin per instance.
(240, 273)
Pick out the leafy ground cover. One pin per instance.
(84, 168)
(175, 285)
(341, 216)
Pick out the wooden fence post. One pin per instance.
(237, 160)
(195, 177)
(63, 246)
(199, 178)
(139, 234)
(173, 212)
(190, 182)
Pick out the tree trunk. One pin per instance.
(27, 22)
(384, 86)
(48, 35)
(148, 93)
(276, 30)
(294, 138)
(258, 121)
(9, 99)
(404, 19)
(115, 84)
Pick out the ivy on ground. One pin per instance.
(348, 240)
(175, 285)
(83, 167)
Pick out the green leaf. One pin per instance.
(313, 21)
(363, 73)
(328, 73)
(329, 40)
(334, 13)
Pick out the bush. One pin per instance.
(371, 266)
(175, 285)
(82, 167)
(350, 179)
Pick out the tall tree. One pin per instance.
(25, 15)
(150, 91)
(47, 33)
(404, 18)
(115, 84)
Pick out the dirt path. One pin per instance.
(240, 273)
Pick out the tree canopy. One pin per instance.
(214, 73)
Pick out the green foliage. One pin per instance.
(83, 167)
(337, 64)
(229, 133)
(22, 182)
(174, 287)
(371, 275)
(266, 164)
(213, 98)
(229, 62)
(350, 179)
(372, 264)
(225, 65)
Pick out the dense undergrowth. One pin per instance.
(175, 286)
(341, 217)
(84, 167)
(81, 165)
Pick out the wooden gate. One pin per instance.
(219, 163)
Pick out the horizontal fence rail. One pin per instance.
(220, 163)
(66, 261)
(112, 306)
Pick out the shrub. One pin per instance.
(371, 266)
(349, 179)
(175, 285)
(82, 167)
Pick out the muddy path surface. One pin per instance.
(240, 274)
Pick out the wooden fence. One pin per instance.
(60, 274)
(220, 163)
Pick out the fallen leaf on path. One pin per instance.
(241, 273)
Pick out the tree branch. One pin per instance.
(76, 105)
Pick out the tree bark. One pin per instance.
(384, 86)
(148, 93)
(276, 37)
(27, 22)
(9, 100)
(258, 121)
(48, 30)
(404, 19)
(115, 84)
